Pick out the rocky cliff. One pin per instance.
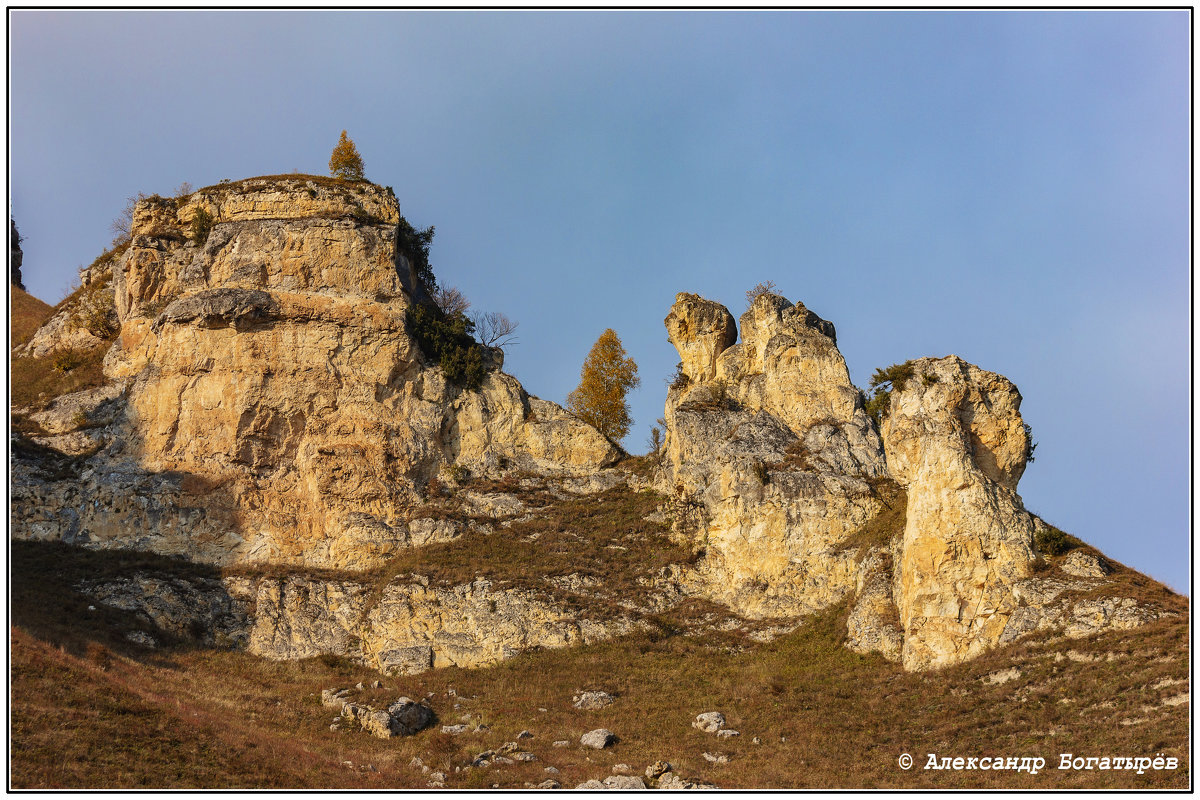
(267, 408)
(268, 402)
(795, 501)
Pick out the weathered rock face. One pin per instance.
(779, 477)
(956, 442)
(769, 446)
(270, 371)
(403, 627)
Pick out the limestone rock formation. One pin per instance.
(771, 458)
(271, 384)
(780, 480)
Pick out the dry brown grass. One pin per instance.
(825, 717)
(26, 315)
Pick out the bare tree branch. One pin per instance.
(451, 301)
(495, 329)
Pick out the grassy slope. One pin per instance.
(26, 314)
(92, 710)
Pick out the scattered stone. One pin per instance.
(1002, 676)
(597, 739)
(142, 638)
(454, 730)
(335, 727)
(551, 770)
(437, 779)
(716, 758)
(727, 734)
(623, 769)
(376, 684)
(402, 718)
(591, 785)
(91, 608)
(756, 740)
(709, 721)
(592, 700)
(334, 698)
(549, 783)
(524, 735)
(672, 782)
(623, 782)
(543, 710)
(658, 769)
(416, 762)
(562, 743)
(524, 756)
(502, 760)
(509, 747)
(359, 686)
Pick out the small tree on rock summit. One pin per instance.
(607, 376)
(345, 162)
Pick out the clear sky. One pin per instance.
(1009, 186)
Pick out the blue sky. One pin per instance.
(1012, 187)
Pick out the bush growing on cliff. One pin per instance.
(414, 245)
(446, 339)
(202, 225)
(883, 382)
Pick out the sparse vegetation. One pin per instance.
(759, 289)
(883, 382)
(202, 225)
(1053, 542)
(447, 341)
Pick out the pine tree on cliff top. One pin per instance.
(345, 162)
(607, 376)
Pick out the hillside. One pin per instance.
(26, 314)
(93, 709)
(254, 462)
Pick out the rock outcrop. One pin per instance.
(404, 626)
(271, 384)
(795, 502)
(770, 457)
(956, 442)
(268, 403)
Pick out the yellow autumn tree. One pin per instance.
(607, 376)
(345, 161)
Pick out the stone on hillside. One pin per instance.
(409, 717)
(1084, 565)
(716, 758)
(592, 700)
(549, 783)
(727, 734)
(334, 698)
(591, 786)
(672, 782)
(597, 739)
(657, 770)
(562, 743)
(709, 721)
(623, 782)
